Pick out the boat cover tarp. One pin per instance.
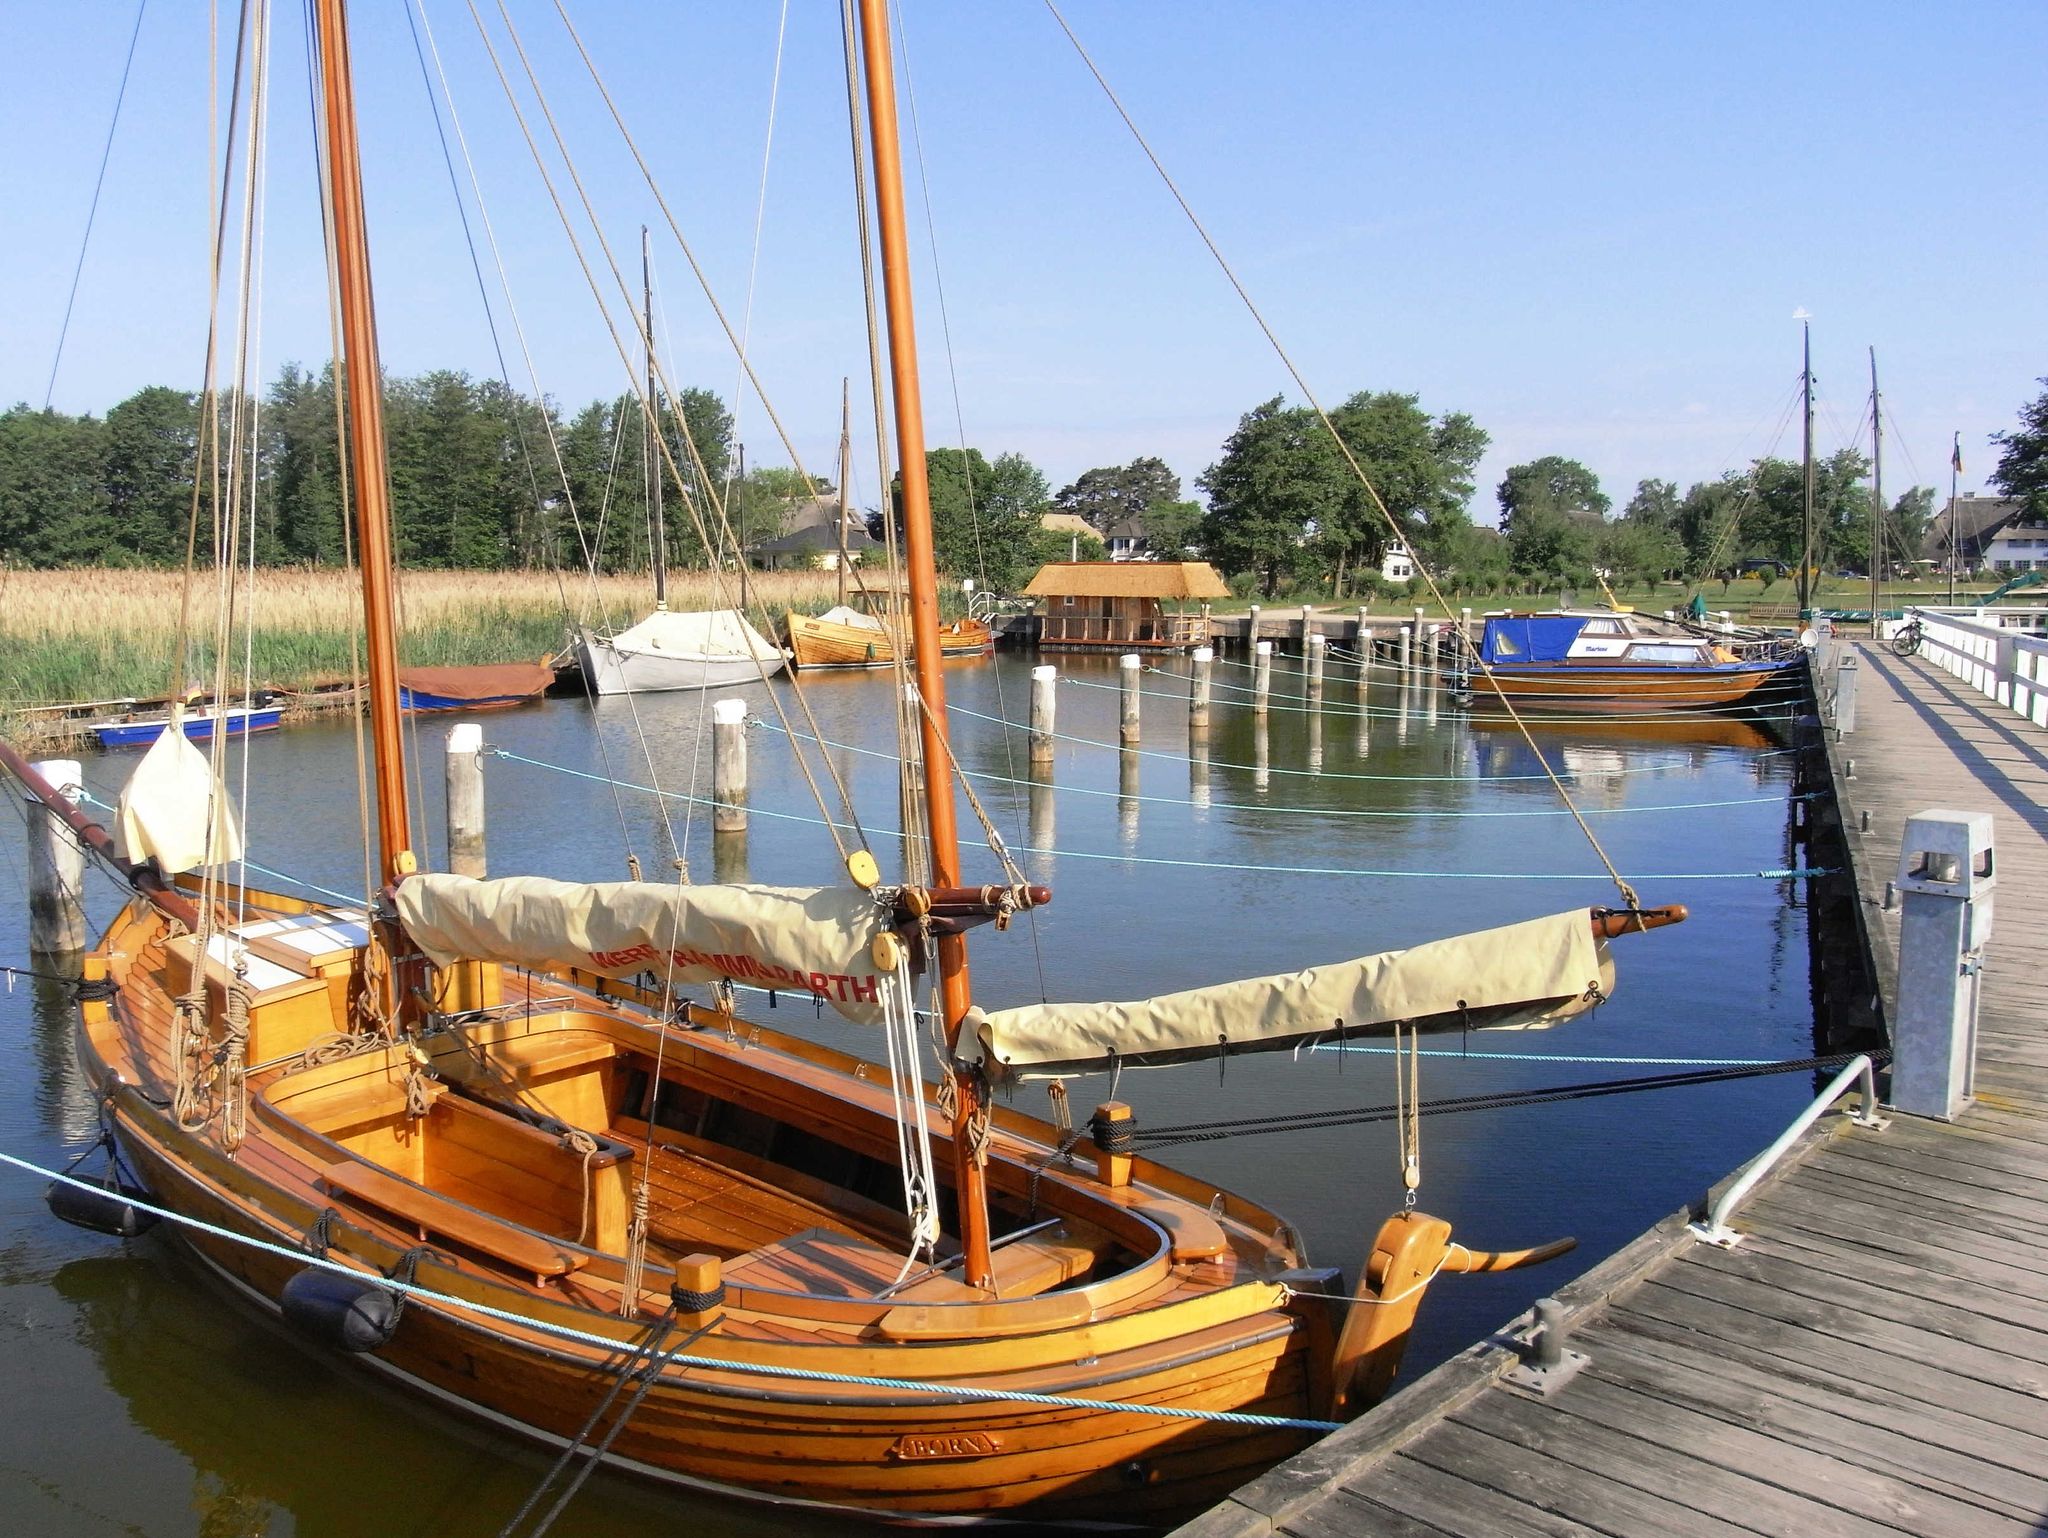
(696, 633)
(485, 681)
(1530, 637)
(174, 809)
(810, 939)
(1518, 976)
(840, 614)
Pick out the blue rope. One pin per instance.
(1459, 779)
(608, 1343)
(1307, 811)
(1283, 870)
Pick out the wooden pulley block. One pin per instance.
(887, 951)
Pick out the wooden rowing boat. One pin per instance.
(846, 638)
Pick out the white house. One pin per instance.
(1397, 565)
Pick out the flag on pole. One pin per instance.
(1955, 458)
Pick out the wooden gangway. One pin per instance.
(1872, 1358)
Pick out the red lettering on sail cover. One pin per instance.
(842, 987)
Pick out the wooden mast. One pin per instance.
(365, 392)
(650, 415)
(918, 558)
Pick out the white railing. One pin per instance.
(1998, 652)
(1714, 1228)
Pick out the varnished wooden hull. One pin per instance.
(1152, 1330)
(1562, 686)
(820, 643)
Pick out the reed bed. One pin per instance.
(103, 634)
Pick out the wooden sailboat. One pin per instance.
(850, 638)
(668, 650)
(471, 1136)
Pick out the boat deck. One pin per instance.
(1871, 1359)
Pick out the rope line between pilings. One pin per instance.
(959, 1392)
(1564, 771)
(1356, 1116)
(1312, 811)
(1788, 874)
(1465, 713)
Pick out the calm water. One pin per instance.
(141, 1402)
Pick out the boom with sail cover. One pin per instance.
(1519, 976)
(811, 939)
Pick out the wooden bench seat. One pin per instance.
(1022, 1268)
(818, 1262)
(437, 1217)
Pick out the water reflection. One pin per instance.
(210, 1417)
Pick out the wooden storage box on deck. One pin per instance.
(288, 1009)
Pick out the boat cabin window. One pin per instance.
(1602, 627)
(1504, 644)
(1667, 653)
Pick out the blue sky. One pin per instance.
(1587, 226)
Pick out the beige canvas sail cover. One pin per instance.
(696, 633)
(174, 810)
(807, 939)
(1517, 976)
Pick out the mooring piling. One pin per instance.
(1130, 671)
(464, 769)
(1200, 679)
(1262, 676)
(729, 765)
(56, 866)
(1044, 712)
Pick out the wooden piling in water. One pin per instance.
(464, 771)
(1199, 683)
(729, 766)
(1130, 670)
(1262, 675)
(1251, 635)
(56, 866)
(1317, 650)
(1044, 712)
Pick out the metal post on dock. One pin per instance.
(1317, 650)
(1199, 684)
(1130, 670)
(729, 765)
(1262, 675)
(1946, 877)
(56, 866)
(465, 775)
(1845, 695)
(1044, 710)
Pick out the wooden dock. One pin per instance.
(1871, 1359)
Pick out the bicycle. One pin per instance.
(1907, 641)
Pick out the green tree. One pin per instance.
(1422, 468)
(2023, 457)
(1173, 528)
(53, 502)
(1279, 481)
(985, 516)
(1112, 493)
(302, 463)
(1553, 515)
(151, 450)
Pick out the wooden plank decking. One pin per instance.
(1871, 1359)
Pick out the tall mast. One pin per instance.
(1955, 474)
(955, 993)
(650, 417)
(1876, 491)
(845, 465)
(1806, 519)
(365, 394)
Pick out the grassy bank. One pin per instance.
(98, 634)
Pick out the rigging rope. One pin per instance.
(1394, 526)
(1332, 811)
(1358, 1116)
(1288, 870)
